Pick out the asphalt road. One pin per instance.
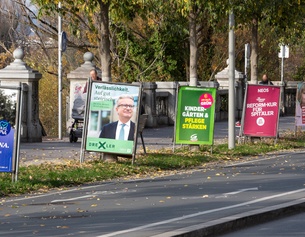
(197, 201)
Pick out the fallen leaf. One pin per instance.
(62, 227)
(80, 210)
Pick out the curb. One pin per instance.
(235, 222)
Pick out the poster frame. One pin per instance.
(299, 112)
(212, 91)
(16, 149)
(137, 89)
(242, 129)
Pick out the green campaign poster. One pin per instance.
(195, 115)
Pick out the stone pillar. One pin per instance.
(149, 89)
(12, 75)
(168, 90)
(222, 78)
(78, 79)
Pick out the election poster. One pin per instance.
(10, 124)
(8, 100)
(195, 115)
(300, 105)
(112, 117)
(261, 111)
(6, 146)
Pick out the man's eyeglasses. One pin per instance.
(125, 106)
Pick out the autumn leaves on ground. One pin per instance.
(43, 177)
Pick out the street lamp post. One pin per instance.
(231, 120)
(59, 76)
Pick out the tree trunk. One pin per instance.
(254, 51)
(193, 57)
(104, 48)
(193, 49)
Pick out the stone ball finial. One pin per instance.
(18, 54)
(88, 57)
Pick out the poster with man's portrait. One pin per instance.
(112, 119)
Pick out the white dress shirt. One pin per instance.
(126, 130)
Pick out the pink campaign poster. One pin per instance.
(261, 113)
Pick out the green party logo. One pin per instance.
(206, 100)
(194, 138)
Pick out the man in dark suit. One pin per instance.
(124, 128)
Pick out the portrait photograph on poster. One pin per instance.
(8, 102)
(112, 117)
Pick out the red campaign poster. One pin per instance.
(261, 113)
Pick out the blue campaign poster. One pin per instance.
(6, 146)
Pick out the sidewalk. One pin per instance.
(55, 150)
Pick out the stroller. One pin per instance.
(78, 111)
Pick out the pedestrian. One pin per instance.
(265, 80)
(94, 77)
